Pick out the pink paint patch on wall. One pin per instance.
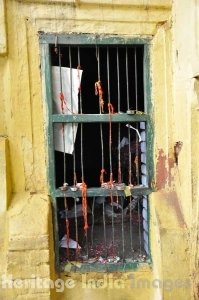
(164, 166)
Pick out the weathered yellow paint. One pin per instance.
(3, 37)
(26, 229)
(5, 191)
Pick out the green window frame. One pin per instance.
(90, 39)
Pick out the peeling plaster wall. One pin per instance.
(186, 101)
(26, 231)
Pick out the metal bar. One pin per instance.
(102, 147)
(86, 236)
(93, 221)
(127, 79)
(118, 80)
(73, 134)
(130, 159)
(139, 221)
(112, 225)
(71, 78)
(81, 128)
(137, 166)
(110, 117)
(101, 129)
(135, 74)
(60, 70)
(98, 61)
(80, 90)
(149, 229)
(119, 126)
(108, 73)
(106, 268)
(76, 227)
(130, 224)
(104, 227)
(119, 155)
(123, 247)
(91, 192)
(67, 227)
(63, 128)
(97, 118)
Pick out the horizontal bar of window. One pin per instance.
(108, 267)
(88, 39)
(95, 192)
(90, 118)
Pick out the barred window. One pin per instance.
(99, 149)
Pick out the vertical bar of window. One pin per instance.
(73, 135)
(101, 131)
(135, 74)
(81, 134)
(119, 155)
(80, 90)
(97, 49)
(129, 155)
(130, 222)
(145, 224)
(108, 74)
(112, 223)
(123, 247)
(110, 146)
(127, 78)
(137, 154)
(118, 79)
(76, 228)
(110, 111)
(61, 99)
(119, 126)
(93, 221)
(129, 133)
(104, 227)
(144, 178)
(71, 80)
(139, 227)
(67, 227)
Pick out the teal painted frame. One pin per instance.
(90, 39)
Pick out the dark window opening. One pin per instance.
(106, 152)
(120, 59)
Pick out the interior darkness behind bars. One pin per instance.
(124, 93)
(120, 70)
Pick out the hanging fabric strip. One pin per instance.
(84, 205)
(99, 92)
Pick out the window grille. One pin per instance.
(99, 141)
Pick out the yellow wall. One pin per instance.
(26, 231)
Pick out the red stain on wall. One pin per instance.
(163, 170)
